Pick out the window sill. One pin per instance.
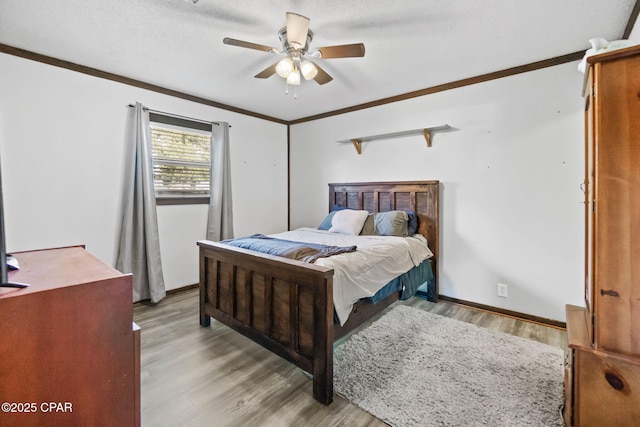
(182, 200)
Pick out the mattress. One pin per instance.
(361, 274)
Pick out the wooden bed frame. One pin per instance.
(286, 305)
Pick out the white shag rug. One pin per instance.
(414, 368)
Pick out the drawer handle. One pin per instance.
(611, 293)
(614, 381)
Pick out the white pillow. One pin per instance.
(348, 221)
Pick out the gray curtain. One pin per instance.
(220, 220)
(139, 246)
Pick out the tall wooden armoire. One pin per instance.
(602, 375)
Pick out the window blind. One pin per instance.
(181, 161)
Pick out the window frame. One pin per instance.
(182, 122)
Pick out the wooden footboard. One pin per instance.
(284, 305)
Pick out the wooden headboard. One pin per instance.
(421, 197)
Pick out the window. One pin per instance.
(181, 150)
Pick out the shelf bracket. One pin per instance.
(427, 136)
(358, 144)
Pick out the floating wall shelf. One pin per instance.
(426, 132)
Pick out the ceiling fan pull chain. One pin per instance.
(286, 87)
(295, 92)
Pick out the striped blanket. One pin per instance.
(301, 251)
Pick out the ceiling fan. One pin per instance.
(295, 38)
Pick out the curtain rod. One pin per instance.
(178, 116)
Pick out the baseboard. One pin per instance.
(182, 289)
(169, 292)
(504, 312)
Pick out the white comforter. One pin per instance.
(362, 273)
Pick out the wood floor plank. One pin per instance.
(193, 376)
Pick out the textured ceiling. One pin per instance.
(410, 44)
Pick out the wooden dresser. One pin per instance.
(69, 350)
(602, 376)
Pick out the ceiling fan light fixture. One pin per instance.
(284, 67)
(308, 70)
(294, 77)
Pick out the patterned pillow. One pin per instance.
(391, 223)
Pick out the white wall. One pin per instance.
(510, 170)
(61, 145)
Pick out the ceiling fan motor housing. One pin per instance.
(287, 47)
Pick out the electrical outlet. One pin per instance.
(503, 290)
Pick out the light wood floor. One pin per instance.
(194, 376)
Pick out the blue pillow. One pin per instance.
(326, 223)
(412, 226)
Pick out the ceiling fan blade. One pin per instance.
(342, 51)
(249, 45)
(322, 77)
(297, 28)
(267, 72)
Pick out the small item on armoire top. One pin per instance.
(600, 45)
